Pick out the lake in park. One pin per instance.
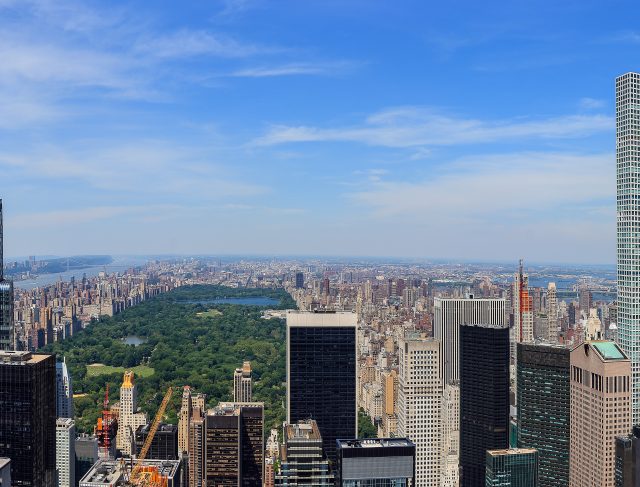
(134, 340)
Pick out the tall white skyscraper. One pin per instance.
(242, 383)
(65, 452)
(129, 418)
(449, 314)
(450, 436)
(628, 231)
(64, 391)
(522, 331)
(420, 405)
(552, 312)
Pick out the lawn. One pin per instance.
(211, 313)
(94, 370)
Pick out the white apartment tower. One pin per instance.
(450, 436)
(449, 314)
(65, 452)
(628, 225)
(64, 391)
(420, 405)
(183, 421)
(242, 383)
(552, 312)
(129, 419)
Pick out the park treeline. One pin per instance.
(183, 347)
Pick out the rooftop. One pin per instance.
(608, 350)
(307, 430)
(375, 443)
(21, 357)
(336, 318)
(108, 473)
(511, 451)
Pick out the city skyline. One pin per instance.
(193, 130)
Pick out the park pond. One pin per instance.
(134, 340)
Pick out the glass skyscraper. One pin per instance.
(6, 301)
(512, 468)
(544, 410)
(628, 225)
(321, 374)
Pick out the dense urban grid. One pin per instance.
(315, 372)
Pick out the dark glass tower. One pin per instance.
(321, 374)
(543, 409)
(299, 280)
(164, 445)
(6, 300)
(484, 398)
(28, 417)
(627, 463)
(512, 468)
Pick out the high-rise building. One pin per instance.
(164, 445)
(450, 435)
(28, 417)
(380, 462)
(302, 462)
(129, 418)
(585, 300)
(64, 391)
(522, 330)
(628, 226)
(321, 373)
(449, 315)
(234, 445)
(512, 468)
(184, 418)
(543, 409)
(420, 404)
(65, 452)
(600, 411)
(6, 302)
(627, 462)
(86, 454)
(552, 312)
(197, 447)
(299, 280)
(484, 398)
(242, 383)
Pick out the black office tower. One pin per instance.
(543, 409)
(627, 463)
(299, 280)
(28, 417)
(321, 374)
(164, 445)
(484, 398)
(6, 301)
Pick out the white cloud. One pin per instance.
(416, 127)
(296, 69)
(591, 103)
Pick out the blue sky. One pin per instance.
(469, 130)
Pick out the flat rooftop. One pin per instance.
(21, 357)
(331, 318)
(306, 430)
(608, 350)
(111, 472)
(375, 443)
(511, 451)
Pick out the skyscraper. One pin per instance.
(299, 280)
(628, 226)
(552, 312)
(600, 411)
(164, 445)
(234, 445)
(484, 398)
(65, 452)
(543, 409)
(6, 301)
(627, 462)
(522, 309)
(64, 391)
(321, 373)
(450, 435)
(28, 417)
(512, 468)
(242, 383)
(420, 404)
(449, 315)
(184, 418)
(129, 418)
(197, 447)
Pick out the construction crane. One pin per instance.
(145, 476)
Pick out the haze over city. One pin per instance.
(454, 130)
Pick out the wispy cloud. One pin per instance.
(591, 103)
(415, 126)
(296, 69)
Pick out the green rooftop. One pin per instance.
(609, 350)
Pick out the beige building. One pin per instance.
(600, 411)
(450, 435)
(420, 405)
(129, 419)
(183, 421)
(242, 383)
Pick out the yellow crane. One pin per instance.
(140, 475)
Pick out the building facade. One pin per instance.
(484, 398)
(129, 418)
(512, 468)
(552, 312)
(64, 391)
(321, 373)
(65, 452)
(242, 383)
(376, 462)
(449, 314)
(543, 408)
(164, 445)
(302, 462)
(600, 411)
(628, 226)
(28, 417)
(6, 301)
(420, 404)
